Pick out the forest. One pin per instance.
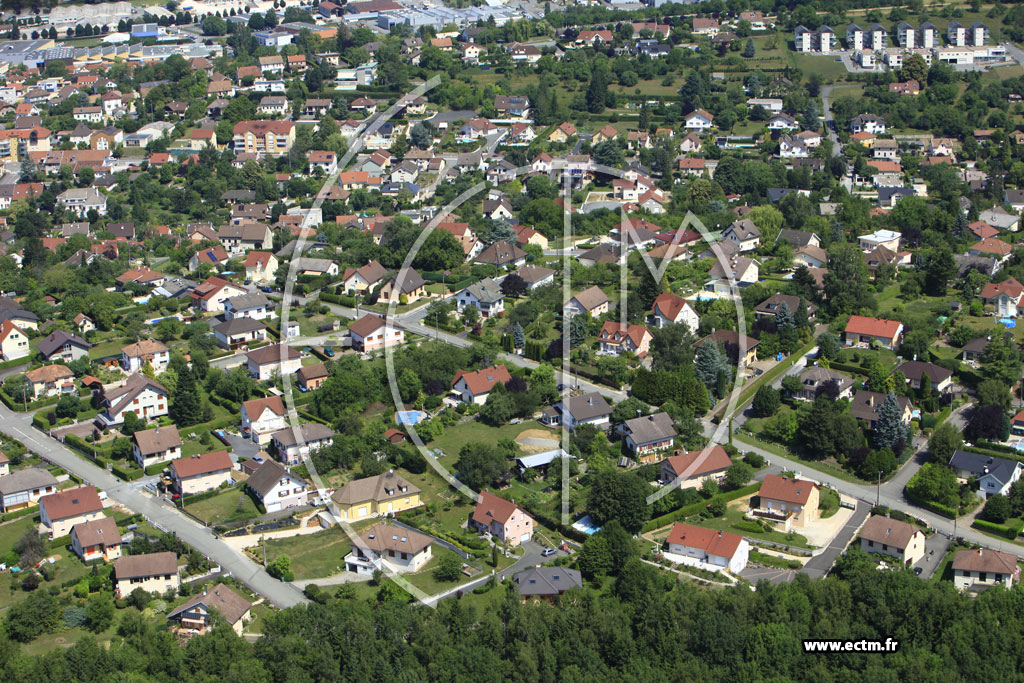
(639, 625)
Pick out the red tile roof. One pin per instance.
(711, 541)
(874, 327)
(492, 508)
(785, 489)
(484, 379)
(72, 503)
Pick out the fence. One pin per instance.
(440, 541)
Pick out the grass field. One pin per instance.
(313, 556)
(454, 438)
(734, 514)
(821, 466)
(825, 66)
(229, 506)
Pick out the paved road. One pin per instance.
(531, 558)
(826, 110)
(819, 565)
(158, 512)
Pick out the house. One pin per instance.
(775, 303)
(502, 255)
(255, 306)
(744, 234)
(736, 272)
(197, 613)
(156, 445)
(794, 501)
(690, 143)
(693, 467)
(474, 387)
(277, 360)
(993, 247)
(213, 256)
(815, 378)
(502, 519)
(270, 138)
(142, 276)
(383, 494)
(135, 357)
(23, 488)
(940, 378)
(60, 511)
(13, 342)
(812, 257)
(245, 231)
(709, 549)
(994, 475)
(50, 380)
(407, 287)
(647, 435)
(372, 333)
(293, 444)
(98, 539)
(670, 309)
(311, 377)
(864, 330)
(200, 472)
(999, 218)
(590, 408)
(904, 541)
(392, 547)
(316, 267)
(364, 278)
(699, 120)
(983, 568)
(153, 573)
(261, 417)
(1007, 296)
(536, 276)
(890, 239)
(145, 397)
(973, 350)
(866, 404)
(260, 267)
(592, 301)
(868, 123)
(737, 347)
(211, 294)
(616, 339)
(277, 488)
(238, 333)
(546, 583)
(485, 296)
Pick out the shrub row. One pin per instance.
(8, 516)
(197, 497)
(937, 508)
(695, 508)
(339, 299)
(997, 529)
(34, 405)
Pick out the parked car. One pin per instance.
(329, 352)
(548, 552)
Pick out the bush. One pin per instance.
(997, 509)
(30, 582)
(997, 529)
(449, 568)
(755, 460)
(747, 525)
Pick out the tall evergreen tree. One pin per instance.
(186, 407)
(518, 337)
(710, 361)
(889, 428)
(784, 319)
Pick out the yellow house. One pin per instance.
(385, 493)
(153, 573)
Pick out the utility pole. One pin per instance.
(878, 489)
(263, 542)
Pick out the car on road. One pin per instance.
(548, 552)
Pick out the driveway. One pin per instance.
(819, 565)
(159, 513)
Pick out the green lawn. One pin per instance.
(821, 466)
(11, 531)
(825, 66)
(828, 503)
(107, 348)
(454, 438)
(425, 581)
(313, 556)
(68, 637)
(229, 506)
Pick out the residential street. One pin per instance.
(162, 515)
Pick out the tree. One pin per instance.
(67, 406)
(997, 509)
(281, 568)
(1001, 360)
(944, 441)
(186, 407)
(939, 268)
(618, 496)
(738, 475)
(449, 568)
(749, 50)
(846, 282)
(99, 612)
(915, 68)
(595, 557)
(766, 401)
(711, 360)
(518, 336)
(479, 464)
(422, 135)
(33, 616)
(791, 385)
(499, 407)
(514, 285)
(889, 427)
(828, 346)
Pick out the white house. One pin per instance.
(135, 357)
(894, 538)
(475, 387)
(485, 296)
(138, 394)
(699, 119)
(277, 488)
(388, 546)
(156, 445)
(261, 417)
(294, 444)
(275, 360)
(671, 309)
(709, 549)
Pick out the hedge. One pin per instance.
(695, 508)
(997, 529)
(339, 299)
(8, 516)
(157, 468)
(197, 497)
(931, 505)
(128, 475)
(20, 407)
(855, 369)
(15, 362)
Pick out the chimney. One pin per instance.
(979, 552)
(719, 533)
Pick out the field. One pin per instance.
(313, 556)
(229, 506)
(454, 438)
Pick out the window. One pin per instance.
(983, 576)
(391, 553)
